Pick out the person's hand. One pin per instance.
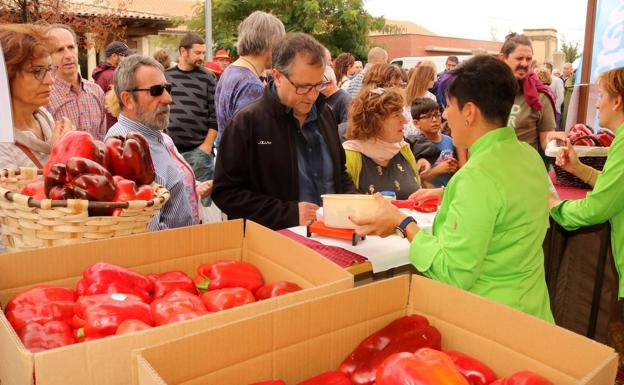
(307, 213)
(427, 192)
(383, 222)
(447, 166)
(568, 160)
(207, 148)
(61, 128)
(423, 165)
(204, 189)
(552, 201)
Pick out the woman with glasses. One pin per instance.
(488, 233)
(26, 50)
(378, 159)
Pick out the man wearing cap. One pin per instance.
(222, 58)
(71, 96)
(103, 73)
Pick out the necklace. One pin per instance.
(252, 66)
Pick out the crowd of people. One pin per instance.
(265, 135)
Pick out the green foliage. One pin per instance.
(570, 50)
(340, 25)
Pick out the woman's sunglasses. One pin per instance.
(155, 90)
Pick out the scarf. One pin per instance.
(531, 86)
(375, 149)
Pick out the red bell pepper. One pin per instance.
(131, 326)
(224, 274)
(174, 307)
(275, 289)
(405, 334)
(76, 143)
(170, 281)
(222, 299)
(103, 313)
(126, 190)
(52, 334)
(524, 377)
(130, 157)
(328, 378)
(106, 278)
(41, 304)
(425, 367)
(475, 371)
(35, 189)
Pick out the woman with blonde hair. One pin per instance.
(377, 157)
(383, 75)
(420, 82)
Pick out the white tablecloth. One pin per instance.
(383, 253)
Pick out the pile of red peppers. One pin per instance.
(110, 300)
(79, 167)
(408, 351)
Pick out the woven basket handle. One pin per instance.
(597, 142)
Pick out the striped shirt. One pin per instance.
(356, 84)
(83, 106)
(171, 171)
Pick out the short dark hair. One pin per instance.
(422, 106)
(292, 44)
(488, 83)
(512, 41)
(189, 40)
(454, 59)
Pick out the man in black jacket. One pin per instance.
(279, 154)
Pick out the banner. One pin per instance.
(6, 116)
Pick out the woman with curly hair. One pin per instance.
(383, 75)
(342, 65)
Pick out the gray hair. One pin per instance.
(377, 55)
(125, 73)
(294, 44)
(257, 33)
(65, 27)
(330, 76)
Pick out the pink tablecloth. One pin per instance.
(338, 255)
(567, 192)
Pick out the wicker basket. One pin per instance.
(597, 162)
(29, 223)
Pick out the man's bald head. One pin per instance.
(377, 55)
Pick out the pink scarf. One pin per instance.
(531, 86)
(374, 148)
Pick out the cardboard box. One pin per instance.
(303, 340)
(108, 361)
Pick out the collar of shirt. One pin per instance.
(312, 115)
(133, 125)
(67, 87)
(492, 137)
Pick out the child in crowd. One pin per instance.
(426, 117)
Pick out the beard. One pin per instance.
(154, 119)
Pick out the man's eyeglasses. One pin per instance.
(302, 90)
(40, 72)
(155, 90)
(430, 115)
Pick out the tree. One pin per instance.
(570, 50)
(340, 25)
(105, 25)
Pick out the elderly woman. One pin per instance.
(26, 50)
(604, 202)
(487, 236)
(378, 159)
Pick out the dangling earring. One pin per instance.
(466, 122)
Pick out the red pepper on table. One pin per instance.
(524, 377)
(176, 306)
(328, 378)
(126, 190)
(275, 289)
(52, 334)
(106, 278)
(224, 274)
(131, 326)
(475, 371)
(405, 334)
(103, 313)
(227, 298)
(425, 367)
(76, 143)
(170, 281)
(130, 157)
(41, 304)
(35, 189)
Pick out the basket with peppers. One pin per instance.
(87, 189)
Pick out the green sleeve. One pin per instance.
(604, 201)
(354, 166)
(454, 254)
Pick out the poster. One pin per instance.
(6, 118)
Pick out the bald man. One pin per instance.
(376, 55)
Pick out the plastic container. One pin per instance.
(338, 207)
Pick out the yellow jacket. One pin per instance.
(354, 164)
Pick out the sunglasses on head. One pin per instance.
(155, 90)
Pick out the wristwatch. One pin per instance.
(400, 230)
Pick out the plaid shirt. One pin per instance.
(84, 107)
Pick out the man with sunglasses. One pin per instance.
(103, 73)
(72, 97)
(279, 154)
(193, 125)
(144, 98)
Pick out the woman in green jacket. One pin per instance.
(487, 236)
(606, 201)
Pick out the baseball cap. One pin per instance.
(118, 48)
